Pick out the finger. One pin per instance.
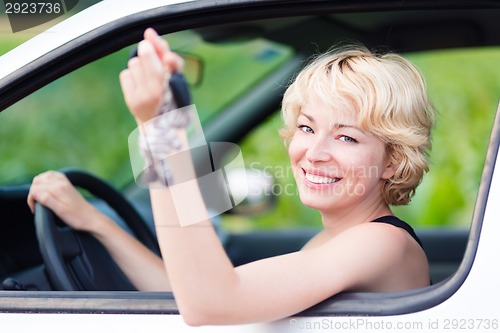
(31, 200)
(41, 178)
(127, 85)
(160, 45)
(173, 62)
(138, 84)
(45, 198)
(41, 185)
(133, 73)
(37, 182)
(142, 96)
(36, 179)
(56, 175)
(151, 63)
(152, 70)
(48, 176)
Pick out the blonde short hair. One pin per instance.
(389, 95)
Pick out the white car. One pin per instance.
(62, 108)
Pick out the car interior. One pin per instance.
(40, 256)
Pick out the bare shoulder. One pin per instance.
(381, 229)
(387, 257)
(377, 237)
(370, 232)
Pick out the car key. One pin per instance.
(178, 86)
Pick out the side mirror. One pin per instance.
(193, 68)
(259, 198)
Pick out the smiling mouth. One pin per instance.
(320, 179)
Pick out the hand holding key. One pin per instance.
(143, 81)
(154, 90)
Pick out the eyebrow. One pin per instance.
(347, 126)
(311, 119)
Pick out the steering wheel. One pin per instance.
(75, 260)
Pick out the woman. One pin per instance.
(357, 129)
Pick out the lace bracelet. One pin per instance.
(159, 138)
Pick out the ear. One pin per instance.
(390, 170)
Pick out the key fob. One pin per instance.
(178, 85)
(180, 90)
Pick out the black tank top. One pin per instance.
(393, 220)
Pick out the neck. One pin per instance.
(339, 220)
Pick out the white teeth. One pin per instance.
(320, 180)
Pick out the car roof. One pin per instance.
(73, 27)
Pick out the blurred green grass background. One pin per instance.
(36, 134)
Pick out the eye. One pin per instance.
(346, 138)
(305, 128)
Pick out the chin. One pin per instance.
(317, 202)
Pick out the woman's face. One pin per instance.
(336, 165)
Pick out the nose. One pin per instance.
(319, 151)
